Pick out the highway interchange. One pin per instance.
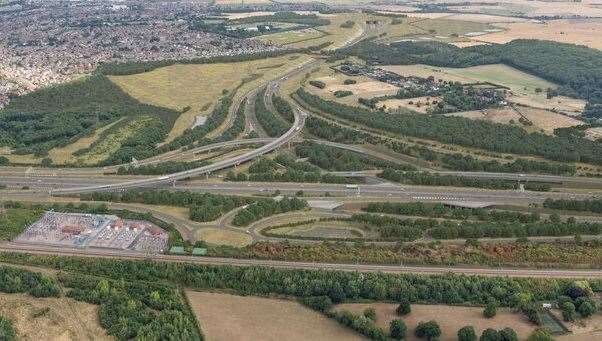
(70, 181)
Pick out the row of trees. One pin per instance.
(332, 132)
(430, 179)
(337, 285)
(465, 132)
(438, 210)
(135, 67)
(273, 125)
(284, 109)
(592, 205)
(261, 209)
(411, 229)
(161, 168)
(290, 175)
(336, 159)
(203, 206)
(15, 280)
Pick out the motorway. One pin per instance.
(397, 269)
(75, 181)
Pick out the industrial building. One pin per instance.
(95, 231)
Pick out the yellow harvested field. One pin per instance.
(449, 318)
(66, 319)
(533, 8)
(567, 105)
(62, 155)
(574, 31)
(224, 317)
(197, 86)
(418, 104)
(217, 236)
(502, 115)
(547, 120)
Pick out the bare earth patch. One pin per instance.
(224, 317)
(450, 319)
(66, 319)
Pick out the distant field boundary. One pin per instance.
(132, 68)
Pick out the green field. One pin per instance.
(14, 220)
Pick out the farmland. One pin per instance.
(574, 31)
(228, 317)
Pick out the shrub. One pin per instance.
(318, 84)
(428, 330)
(568, 311)
(397, 329)
(540, 335)
(508, 334)
(403, 308)
(490, 335)
(319, 303)
(490, 310)
(585, 306)
(342, 93)
(467, 334)
(349, 81)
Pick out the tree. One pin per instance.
(490, 335)
(428, 330)
(579, 289)
(568, 311)
(467, 334)
(7, 333)
(403, 308)
(397, 329)
(585, 306)
(540, 335)
(490, 310)
(508, 334)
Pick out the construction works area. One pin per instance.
(95, 231)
